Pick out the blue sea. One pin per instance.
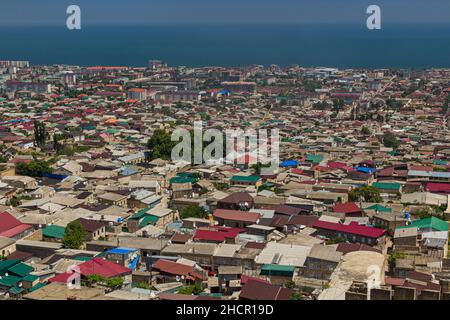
(332, 45)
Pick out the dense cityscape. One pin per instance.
(93, 207)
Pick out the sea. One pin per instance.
(415, 46)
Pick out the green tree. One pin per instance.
(390, 141)
(114, 283)
(188, 290)
(74, 235)
(296, 296)
(161, 145)
(366, 193)
(365, 130)
(39, 134)
(193, 211)
(35, 168)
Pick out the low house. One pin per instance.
(321, 262)
(95, 266)
(11, 227)
(236, 201)
(53, 233)
(246, 181)
(113, 199)
(235, 218)
(95, 230)
(7, 246)
(259, 290)
(352, 232)
(349, 209)
(217, 234)
(126, 257)
(175, 272)
(278, 274)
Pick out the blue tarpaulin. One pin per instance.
(366, 170)
(289, 163)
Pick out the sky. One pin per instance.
(138, 12)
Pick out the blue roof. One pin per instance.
(121, 250)
(366, 170)
(289, 163)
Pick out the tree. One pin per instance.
(114, 283)
(390, 141)
(296, 296)
(365, 130)
(366, 193)
(35, 168)
(193, 211)
(74, 235)
(189, 290)
(39, 133)
(161, 145)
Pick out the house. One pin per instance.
(126, 257)
(53, 233)
(352, 232)
(229, 279)
(238, 180)
(235, 218)
(171, 270)
(349, 209)
(428, 224)
(95, 230)
(278, 274)
(217, 234)
(236, 201)
(113, 199)
(321, 262)
(258, 290)
(7, 246)
(95, 266)
(11, 227)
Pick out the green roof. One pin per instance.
(386, 185)
(428, 223)
(9, 281)
(148, 220)
(81, 258)
(277, 270)
(21, 269)
(315, 158)
(15, 290)
(53, 231)
(30, 278)
(38, 286)
(183, 179)
(252, 179)
(6, 264)
(379, 208)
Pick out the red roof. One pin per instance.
(217, 234)
(178, 269)
(336, 165)
(349, 207)
(352, 228)
(97, 266)
(438, 187)
(236, 215)
(257, 290)
(245, 278)
(10, 226)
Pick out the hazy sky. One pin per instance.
(115, 12)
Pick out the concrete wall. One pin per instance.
(404, 293)
(429, 295)
(381, 294)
